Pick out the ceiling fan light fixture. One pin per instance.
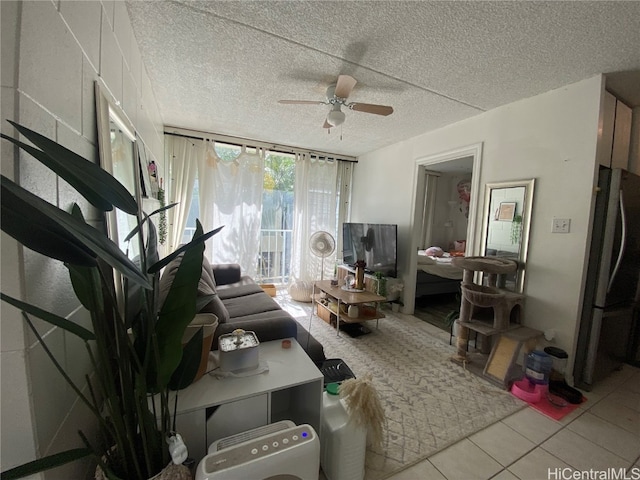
(336, 117)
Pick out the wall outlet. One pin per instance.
(561, 225)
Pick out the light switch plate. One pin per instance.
(561, 225)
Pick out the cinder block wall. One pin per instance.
(52, 54)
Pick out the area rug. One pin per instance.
(430, 402)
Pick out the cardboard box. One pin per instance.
(269, 289)
(325, 314)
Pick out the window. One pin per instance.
(274, 258)
(277, 218)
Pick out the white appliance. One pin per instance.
(277, 450)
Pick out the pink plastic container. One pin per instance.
(527, 391)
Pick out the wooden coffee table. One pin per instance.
(368, 303)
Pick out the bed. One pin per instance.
(436, 275)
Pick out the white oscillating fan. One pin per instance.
(322, 244)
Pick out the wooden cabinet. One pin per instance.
(614, 133)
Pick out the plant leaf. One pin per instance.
(203, 301)
(197, 239)
(83, 234)
(136, 229)
(94, 183)
(46, 463)
(40, 232)
(162, 209)
(51, 318)
(86, 283)
(178, 310)
(187, 369)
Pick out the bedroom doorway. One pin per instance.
(446, 197)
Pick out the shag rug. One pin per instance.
(429, 401)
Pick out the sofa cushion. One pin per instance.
(207, 275)
(249, 304)
(226, 273)
(239, 289)
(271, 314)
(216, 307)
(206, 285)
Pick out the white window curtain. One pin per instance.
(231, 195)
(184, 155)
(315, 209)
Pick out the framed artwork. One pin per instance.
(506, 211)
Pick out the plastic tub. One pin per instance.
(527, 391)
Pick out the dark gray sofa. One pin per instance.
(239, 302)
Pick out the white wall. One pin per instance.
(552, 138)
(52, 52)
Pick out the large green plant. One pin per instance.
(135, 345)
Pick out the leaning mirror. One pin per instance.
(506, 222)
(118, 151)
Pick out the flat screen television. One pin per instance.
(375, 243)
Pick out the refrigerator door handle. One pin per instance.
(623, 242)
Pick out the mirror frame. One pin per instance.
(526, 224)
(107, 110)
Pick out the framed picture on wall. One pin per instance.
(506, 211)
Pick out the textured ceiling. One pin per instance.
(221, 66)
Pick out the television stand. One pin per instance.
(325, 294)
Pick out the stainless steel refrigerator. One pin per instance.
(609, 333)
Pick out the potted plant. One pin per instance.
(135, 345)
(381, 284)
(516, 228)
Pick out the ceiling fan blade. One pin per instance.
(344, 86)
(371, 108)
(326, 124)
(301, 102)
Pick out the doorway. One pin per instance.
(445, 211)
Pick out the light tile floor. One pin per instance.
(603, 433)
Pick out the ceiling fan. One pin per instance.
(337, 95)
